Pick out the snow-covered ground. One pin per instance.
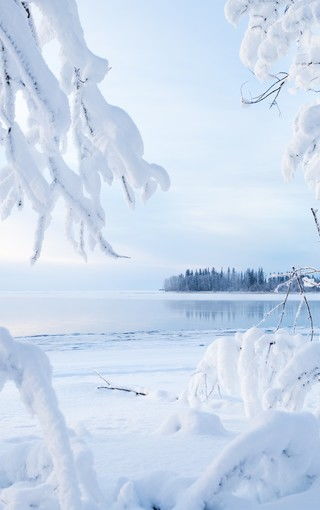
(129, 435)
(120, 428)
(144, 340)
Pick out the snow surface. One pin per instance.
(137, 466)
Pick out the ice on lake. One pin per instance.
(119, 315)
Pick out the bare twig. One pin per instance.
(270, 312)
(297, 314)
(284, 302)
(315, 217)
(103, 378)
(119, 388)
(301, 288)
(301, 277)
(273, 91)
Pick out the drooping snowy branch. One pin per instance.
(105, 139)
(277, 29)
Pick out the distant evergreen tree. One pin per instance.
(209, 280)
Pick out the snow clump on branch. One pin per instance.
(57, 105)
(279, 29)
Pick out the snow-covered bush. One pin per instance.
(278, 28)
(246, 365)
(216, 373)
(277, 456)
(41, 112)
(262, 357)
(28, 367)
(296, 379)
(272, 352)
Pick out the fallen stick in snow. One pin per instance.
(118, 388)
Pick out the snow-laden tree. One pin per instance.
(286, 30)
(45, 116)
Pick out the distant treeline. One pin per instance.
(251, 280)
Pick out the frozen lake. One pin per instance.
(119, 314)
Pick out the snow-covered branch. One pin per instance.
(279, 29)
(37, 142)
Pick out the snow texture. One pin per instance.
(190, 421)
(270, 462)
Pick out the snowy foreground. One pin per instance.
(148, 450)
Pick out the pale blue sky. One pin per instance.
(176, 70)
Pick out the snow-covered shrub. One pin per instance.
(46, 117)
(191, 421)
(273, 351)
(296, 379)
(216, 373)
(277, 456)
(262, 357)
(29, 368)
(245, 365)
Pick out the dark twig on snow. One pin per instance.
(109, 386)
